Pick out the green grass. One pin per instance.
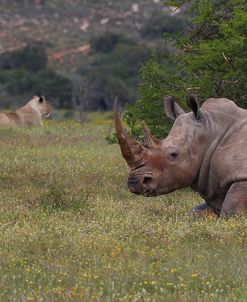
(71, 231)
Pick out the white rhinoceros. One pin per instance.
(206, 150)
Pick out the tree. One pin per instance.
(33, 58)
(215, 52)
(24, 73)
(80, 101)
(210, 61)
(112, 72)
(161, 23)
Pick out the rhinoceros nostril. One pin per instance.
(147, 180)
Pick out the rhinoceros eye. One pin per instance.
(174, 154)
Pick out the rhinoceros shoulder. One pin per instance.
(218, 102)
(224, 106)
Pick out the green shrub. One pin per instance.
(24, 73)
(32, 57)
(149, 107)
(114, 73)
(54, 86)
(44, 82)
(104, 43)
(159, 24)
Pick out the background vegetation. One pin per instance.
(80, 54)
(210, 60)
(25, 73)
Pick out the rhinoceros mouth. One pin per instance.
(146, 193)
(157, 192)
(150, 193)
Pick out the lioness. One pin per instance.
(28, 115)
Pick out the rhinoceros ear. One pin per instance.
(192, 102)
(172, 109)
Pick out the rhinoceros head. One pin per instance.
(159, 167)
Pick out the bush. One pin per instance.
(104, 43)
(24, 73)
(149, 107)
(44, 82)
(159, 24)
(54, 86)
(114, 73)
(32, 57)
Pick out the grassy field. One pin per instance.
(71, 231)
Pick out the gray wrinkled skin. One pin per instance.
(221, 178)
(206, 149)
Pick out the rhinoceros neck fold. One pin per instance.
(205, 182)
(224, 159)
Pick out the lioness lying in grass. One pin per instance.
(28, 115)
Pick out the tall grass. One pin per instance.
(71, 231)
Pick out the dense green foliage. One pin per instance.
(159, 24)
(105, 42)
(210, 61)
(149, 107)
(46, 82)
(32, 57)
(215, 57)
(24, 73)
(113, 70)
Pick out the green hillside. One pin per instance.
(89, 51)
(66, 25)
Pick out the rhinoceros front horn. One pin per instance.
(131, 150)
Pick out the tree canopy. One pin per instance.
(210, 60)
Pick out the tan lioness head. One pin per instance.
(40, 104)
